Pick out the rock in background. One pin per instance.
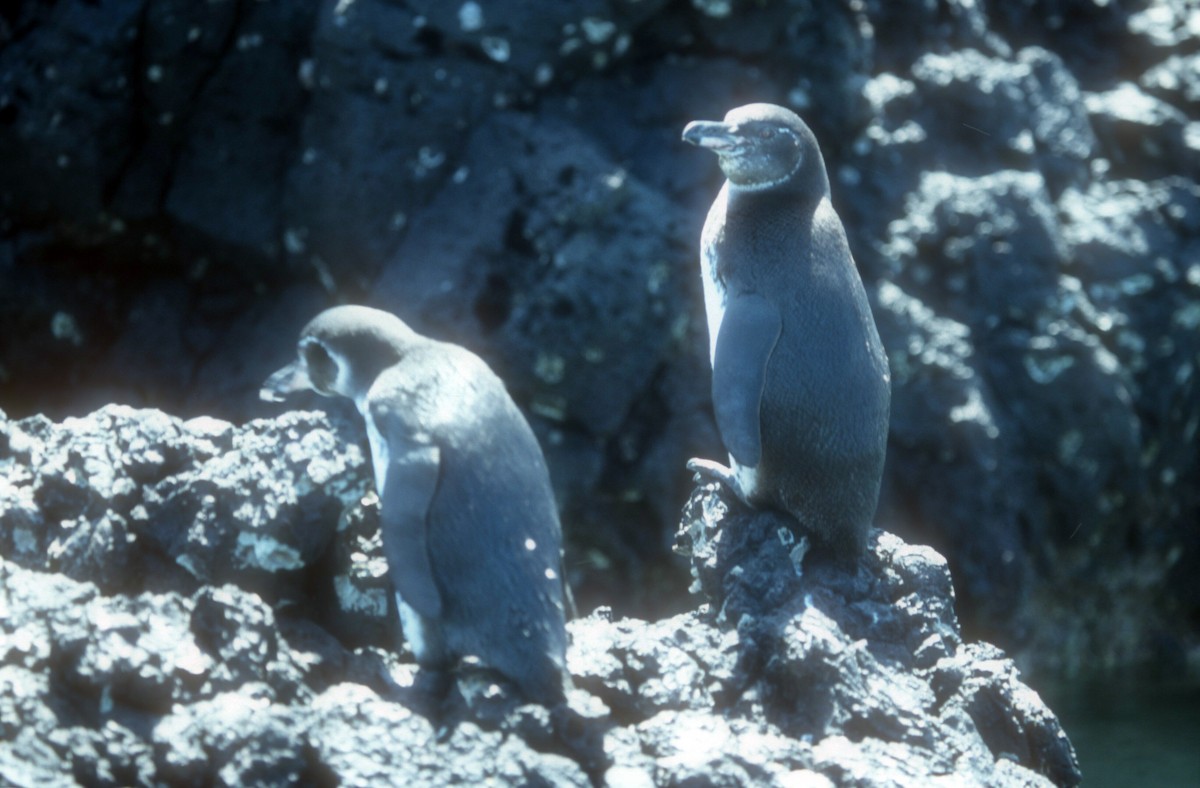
(182, 185)
(191, 603)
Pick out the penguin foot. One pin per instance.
(715, 471)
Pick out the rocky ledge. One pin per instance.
(197, 603)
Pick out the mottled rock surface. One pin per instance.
(183, 185)
(228, 651)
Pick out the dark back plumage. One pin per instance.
(493, 523)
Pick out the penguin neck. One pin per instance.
(808, 184)
(364, 367)
(754, 232)
(785, 205)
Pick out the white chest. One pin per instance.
(415, 625)
(715, 296)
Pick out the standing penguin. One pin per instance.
(800, 382)
(468, 518)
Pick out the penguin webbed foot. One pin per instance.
(713, 471)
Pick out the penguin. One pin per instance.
(800, 383)
(468, 518)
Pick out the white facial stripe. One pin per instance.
(304, 344)
(764, 185)
(342, 384)
(757, 187)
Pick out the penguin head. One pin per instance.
(761, 146)
(341, 352)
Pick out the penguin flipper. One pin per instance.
(749, 331)
(412, 477)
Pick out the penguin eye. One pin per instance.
(766, 133)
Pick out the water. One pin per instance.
(1129, 733)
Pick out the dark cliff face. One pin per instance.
(191, 602)
(183, 185)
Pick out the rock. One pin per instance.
(1054, 24)
(65, 117)
(1074, 337)
(970, 114)
(235, 738)
(1177, 79)
(183, 184)
(792, 673)
(121, 491)
(868, 665)
(227, 179)
(1138, 129)
(360, 739)
(578, 345)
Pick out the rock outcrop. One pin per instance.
(190, 602)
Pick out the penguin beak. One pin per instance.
(288, 380)
(712, 134)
